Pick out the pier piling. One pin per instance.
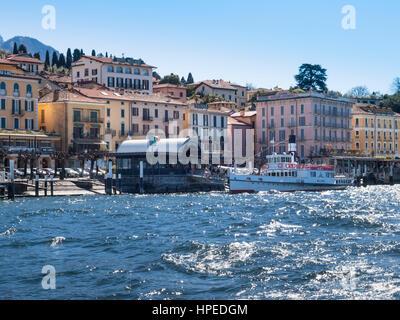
(37, 186)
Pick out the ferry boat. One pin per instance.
(283, 173)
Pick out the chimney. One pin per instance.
(56, 95)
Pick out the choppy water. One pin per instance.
(331, 245)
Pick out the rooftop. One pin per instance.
(66, 96)
(119, 61)
(288, 95)
(373, 110)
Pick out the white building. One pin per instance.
(115, 73)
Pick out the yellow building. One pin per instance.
(376, 131)
(79, 120)
(18, 97)
(134, 115)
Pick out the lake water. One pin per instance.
(330, 245)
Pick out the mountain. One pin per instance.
(31, 44)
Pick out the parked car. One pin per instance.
(70, 173)
(85, 172)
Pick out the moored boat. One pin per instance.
(283, 173)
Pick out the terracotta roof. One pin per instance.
(67, 96)
(233, 121)
(168, 85)
(57, 77)
(372, 110)
(24, 58)
(218, 84)
(5, 61)
(246, 114)
(126, 96)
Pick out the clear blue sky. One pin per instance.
(254, 41)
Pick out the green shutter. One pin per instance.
(13, 107)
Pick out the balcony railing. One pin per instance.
(16, 93)
(88, 137)
(19, 113)
(3, 92)
(89, 120)
(147, 118)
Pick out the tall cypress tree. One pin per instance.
(190, 79)
(68, 62)
(15, 50)
(54, 60)
(61, 61)
(37, 55)
(77, 55)
(47, 61)
(22, 48)
(93, 53)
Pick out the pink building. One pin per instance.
(320, 123)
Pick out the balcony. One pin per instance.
(147, 118)
(88, 120)
(3, 92)
(29, 94)
(87, 136)
(16, 93)
(18, 113)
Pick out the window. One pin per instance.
(122, 129)
(16, 88)
(111, 82)
(155, 113)
(118, 69)
(122, 113)
(77, 115)
(145, 72)
(302, 109)
(291, 109)
(135, 112)
(29, 124)
(16, 123)
(302, 121)
(136, 71)
(176, 114)
(272, 111)
(263, 112)
(282, 135)
(128, 70)
(94, 72)
(3, 104)
(86, 72)
(78, 74)
(3, 123)
(282, 111)
(29, 90)
(108, 112)
(110, 69)
(2, 88)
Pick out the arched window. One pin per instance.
(119, 70)
(16, 87)
(145, 72)
(28, 89)
(110, 69)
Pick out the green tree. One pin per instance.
(190, 79)
(37, 55)
(312, 77)
(61, 61)
(93, 53)
(68, 61)
(15, 50)
(76, 55)
(183, 81)
(22, 48)
(156, 75)
(391, 101)
(47, 61)
(172, 79)
(54, 60)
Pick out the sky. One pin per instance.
(261, 42)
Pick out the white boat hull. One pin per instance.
(241, 184)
